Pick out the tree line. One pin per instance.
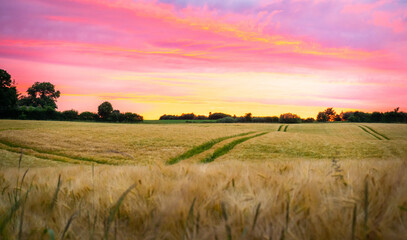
(395, 116)
(328, 115)
(40, 104)
(227, 118)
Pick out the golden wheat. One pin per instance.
(315, 181)
(320, 206)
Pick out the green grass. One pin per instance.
(367, 131)
(225, 149)
(36, 155)
(279, 128)
(380, 134)
(203, 147)
(285, 129)
(54, 156)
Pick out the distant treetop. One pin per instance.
(41, 94)
(5, 79)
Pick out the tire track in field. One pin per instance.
(13, 147)
(228, 147)
(371, 133)
(282, 128)
(203, 147)
(376, 132)
(30, 152)
(11, 129)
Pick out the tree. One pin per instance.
(88, 116)
(8, 93)
(330, 114)
(104, 110)
(322, 117)
(41, 94)
(5, 79)
(215, 116)
(116, 116)
(201, 117)
(226, 120)
(248, 117)
(308, 120)
(376, 117)
(187, 116)
(132, 117)
(289, 118)
(70, 115)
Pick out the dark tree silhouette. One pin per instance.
(289, 118)
(331, 114)
(248, 117)
(216, 116)
(116, 116)
(8, 93)
(41, 94)
(70, 115)
(322, 117)
(104, 110)
(308, 120)
(88, 116)
(328, 115)
(5, 79)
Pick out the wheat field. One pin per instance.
(71, 180)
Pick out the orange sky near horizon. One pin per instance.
(178, 56)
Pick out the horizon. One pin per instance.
(178, 56)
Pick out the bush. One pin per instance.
(11, 113)
(388, 117)
(201, 117)
(38, 113)
(216, 116)
(8, 98)
(359, 117)
(240, 119)
(265, 119)
(273, 119)
(289, 118)
(395, 116)
(308, 120)
(166, 117)
(132, 117)
(116, 116)
(187, 116)
(346, 115)
(88, 116)
(226, 120)
(184, 116)
(376, 117)
(70, 115)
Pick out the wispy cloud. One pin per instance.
(333, 53)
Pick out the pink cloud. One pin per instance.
(359, 8)
(85, 38)
(387, 19)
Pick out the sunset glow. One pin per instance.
(175, 56)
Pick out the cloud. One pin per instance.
(172, 49)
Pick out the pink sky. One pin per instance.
(172, 56)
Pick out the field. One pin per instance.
(202, 181)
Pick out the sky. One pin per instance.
(159, 57)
